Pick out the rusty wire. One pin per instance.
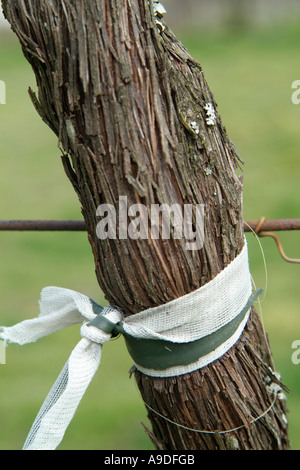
(262, 224)
(262, 227)
(263, 233)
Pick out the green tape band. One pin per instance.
(161, 355)
(100, 321)
(103, 324)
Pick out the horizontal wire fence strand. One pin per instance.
(43, 225)
(273, 225)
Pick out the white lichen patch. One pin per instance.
(284, 419)
(159, 11)
(211, 114)
(160, 26)
(208, 171)
(274, 388)
(281, 396)
(195, 127)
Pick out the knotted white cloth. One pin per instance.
(60, 308)
(186, 319)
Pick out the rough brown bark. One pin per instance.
(122, 97)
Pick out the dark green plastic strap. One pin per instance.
(100, 321)
(161, 355)
(103, 324)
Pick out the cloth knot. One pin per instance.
(100, 329)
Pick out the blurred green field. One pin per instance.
(250, 73)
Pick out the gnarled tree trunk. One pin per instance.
(128, 104)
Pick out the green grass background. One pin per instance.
(250, 72)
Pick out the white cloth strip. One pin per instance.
(201, 312)
(198, 314)
(183, 320)
(61, 403)
(59, 308)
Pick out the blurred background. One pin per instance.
(250, 54)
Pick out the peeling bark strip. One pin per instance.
(132, 110)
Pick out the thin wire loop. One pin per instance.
(263, 257)
(255, 233)
(214, 432)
